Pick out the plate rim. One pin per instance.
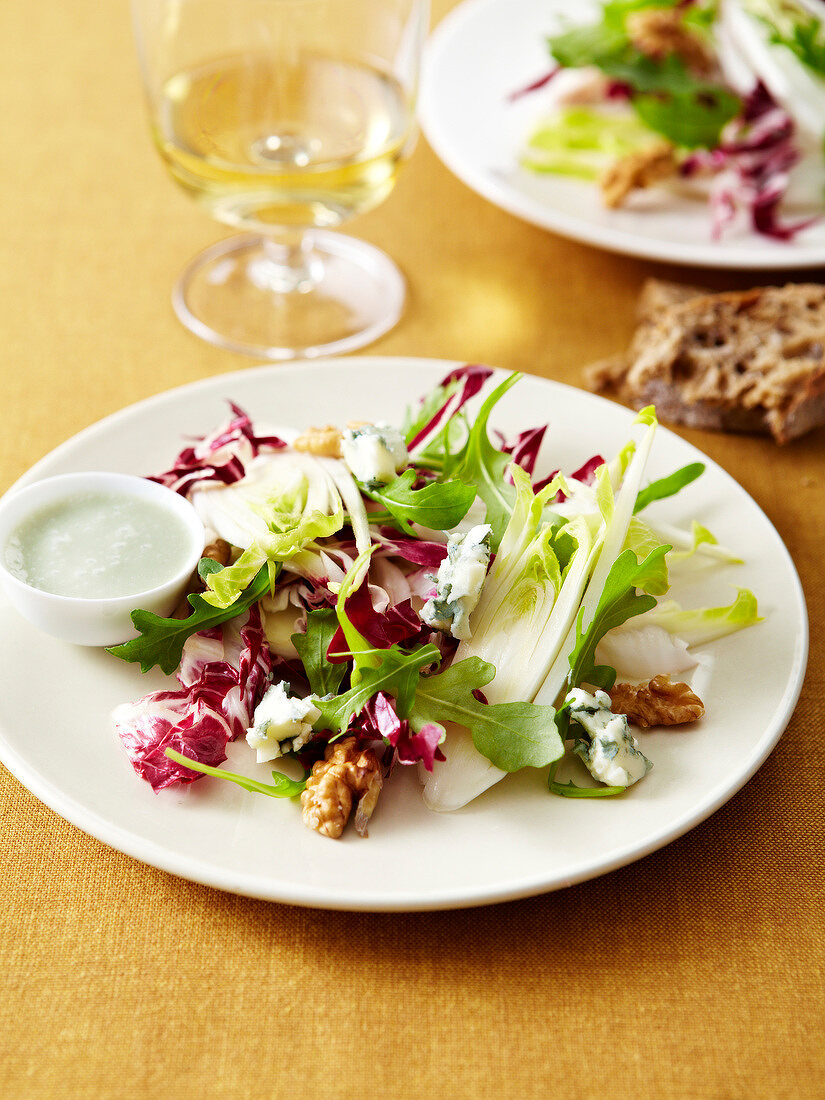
(252, 884)
(766, 257)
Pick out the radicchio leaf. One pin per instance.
(220, 457)
(534, 85)
(398, 623)
(379, 718)
(586, 474)
(222, 677)
(471, 377)
(751, 167)
(416, 551)
(524, 449)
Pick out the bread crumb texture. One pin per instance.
(751, 361)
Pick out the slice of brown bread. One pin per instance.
(751, 361)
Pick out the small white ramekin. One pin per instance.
(94, 622)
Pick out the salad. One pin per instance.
(424, 594)
(719, 99)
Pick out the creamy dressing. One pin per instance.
(98, 544)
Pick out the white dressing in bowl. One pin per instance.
(79, 552)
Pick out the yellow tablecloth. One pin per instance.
(696, 972)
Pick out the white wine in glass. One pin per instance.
(285, 118)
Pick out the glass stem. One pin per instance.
(290, 264)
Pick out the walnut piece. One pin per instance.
(219, 551)
(659, 33)
(347, 772)
(320, 441)
(637, 170)
(657, 703)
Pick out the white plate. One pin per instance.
(514, 841)
(486, 49)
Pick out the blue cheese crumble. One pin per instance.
(612, 755)
(459, 582)
(281, 723)
(374, 453)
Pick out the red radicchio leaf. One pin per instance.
(417, 551)
(524, 449)
(398, 623)
(203, 461)
(751, 166)
(757, 103)
(379, 718)
(423, 746)
(534, 85)
(190, 728)
(617, 89)
(222, 676)
(585, 474)
(473, 376)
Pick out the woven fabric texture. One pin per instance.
(696, 972)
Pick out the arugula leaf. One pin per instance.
(440, 421)
(668, 486)
(619, 602)
(397, 675)
(600, 43)
(364, 655)
(573, 790)
(671, 101)
(483, 466)
(593, 44)
(667, 97)
(693, 118)
(429, 407)
(323, 676)
(161, 640)
(207, 566)
(283, 787)
(438, 505)
(803, 34)
(510, 735)
(647, 74)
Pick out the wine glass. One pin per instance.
(286, 118)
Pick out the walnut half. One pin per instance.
(637, 170)
(347, 772)
(657, 703)
(320, 441)
(660, 33)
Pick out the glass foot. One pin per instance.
(323, 294)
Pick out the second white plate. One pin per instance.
(483, 51)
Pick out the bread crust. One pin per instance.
(742, 361)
